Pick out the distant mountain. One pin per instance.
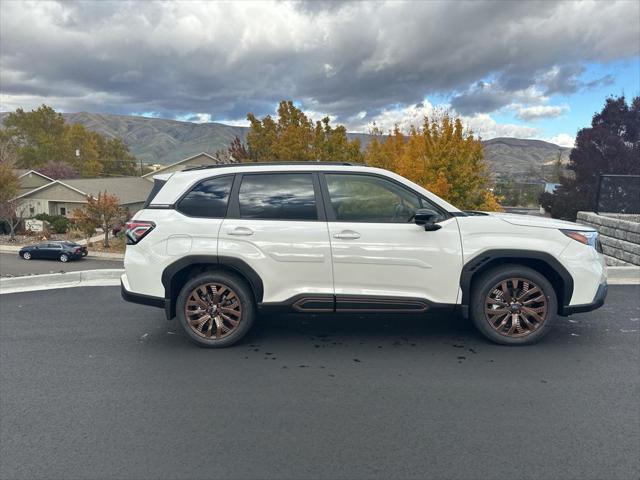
(156, 140)
(519, 159)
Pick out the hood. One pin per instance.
(535, 221)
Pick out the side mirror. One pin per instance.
(427, 218)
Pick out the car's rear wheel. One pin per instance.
(215, 309)
(513, 305)
(64, 258)
(26, 256)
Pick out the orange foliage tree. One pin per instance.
(102, 211)
(295, 137)
(442, 156)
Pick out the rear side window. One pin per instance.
(207, 199)
(278, 196)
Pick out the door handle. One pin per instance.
(241, 231)
(347, 235)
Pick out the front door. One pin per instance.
(381, 259)
(275, 225)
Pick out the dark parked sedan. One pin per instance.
(84, 249)
(63, 251)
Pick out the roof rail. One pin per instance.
(271, 164)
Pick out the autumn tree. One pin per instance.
(442, 156)
(610, 146)
(57, 170)
(102, 211)
(295, 137)
(11, 210)
(238, 151)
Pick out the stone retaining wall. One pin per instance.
(619, 235)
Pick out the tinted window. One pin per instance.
(278, 196)
(208, 198)
(361, 198)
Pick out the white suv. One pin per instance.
(215, 245)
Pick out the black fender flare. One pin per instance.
(236, 265)
(487, 259)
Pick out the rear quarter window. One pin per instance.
(208, 199)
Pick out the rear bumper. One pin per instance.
(138, 297)
(598, 301)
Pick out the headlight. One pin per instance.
(588, 237)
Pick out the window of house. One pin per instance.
(63, 211)
(278, 196)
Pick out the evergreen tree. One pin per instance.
(610, 146)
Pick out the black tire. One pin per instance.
(485, 285)
(26, 256)
(245, 301)
(64, 258)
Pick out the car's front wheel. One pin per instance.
(26, 256)
(513, 305)
(215, 309)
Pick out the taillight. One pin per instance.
(137, 230)
(78, 250)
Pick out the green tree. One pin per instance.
(610, 146)
(41, 136)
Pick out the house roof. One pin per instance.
(160, 170)
(21, 172)
(127, 189)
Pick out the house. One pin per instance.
(198, 160)
(41, 194)
(61, 197)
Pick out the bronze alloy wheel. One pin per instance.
(213, 310)
(516, 307)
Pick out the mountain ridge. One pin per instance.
(164, 141)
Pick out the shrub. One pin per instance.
(60, 224)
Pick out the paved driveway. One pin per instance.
(93, 387)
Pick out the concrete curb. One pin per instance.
(84, 278)
(623, 275)
(105, 256)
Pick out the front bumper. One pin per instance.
(598, 301)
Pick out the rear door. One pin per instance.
(276, 224)
(51, 250)
(380, 256)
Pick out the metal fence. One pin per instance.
(618, 194)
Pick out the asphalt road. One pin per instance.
(106, 389)
(12, 265)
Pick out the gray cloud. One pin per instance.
(181, 58)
